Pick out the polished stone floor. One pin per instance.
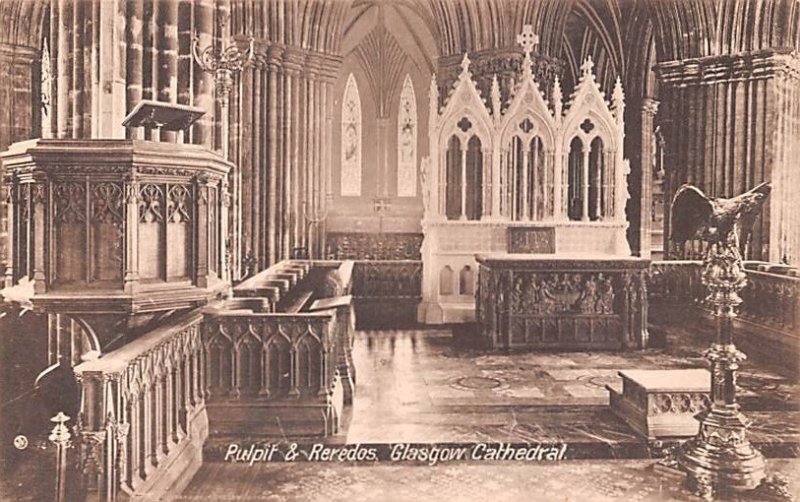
(423, 386)
(427, 386)
(569, 481)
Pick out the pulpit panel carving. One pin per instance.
(69, 215)
(107, 220)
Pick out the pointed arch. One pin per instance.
(407, 141)
(351, 140)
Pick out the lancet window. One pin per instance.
(351, 140)
(407, 141)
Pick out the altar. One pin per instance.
(564, 302)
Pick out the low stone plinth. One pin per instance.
(662, 403)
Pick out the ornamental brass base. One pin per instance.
(721, 456)
(771, 489)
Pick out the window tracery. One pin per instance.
(407, 141)
(351, 140)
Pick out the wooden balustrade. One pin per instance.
(283, 369)
(675, 282)
(143, 418)
(272, 373)
(771, 299)
(386, 293)
(768, 318)
(239, 365)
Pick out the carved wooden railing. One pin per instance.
(367, 246)
(386, 292)
(269, 355)
(274, 365)
(770, 299)
(768, 318)
(675, 282)
(143, 419)
(272, 373)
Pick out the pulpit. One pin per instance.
(110, 235)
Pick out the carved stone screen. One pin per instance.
(351, 140)
(532, 240)
(407, 142)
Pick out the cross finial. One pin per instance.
(587, 66)
(527, 39)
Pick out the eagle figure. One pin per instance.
(694, 215)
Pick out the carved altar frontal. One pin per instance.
(567, 302)
(518, 171)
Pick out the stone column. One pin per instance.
(272, 142)
(286, 172)
(496, 157)
(488, 186)
(294, 67)
(647, 159)
(9, 188)
(18, 109)
(526, 196)
(729, 123)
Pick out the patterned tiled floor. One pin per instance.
(422, 387)
(570, 481)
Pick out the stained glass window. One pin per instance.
(407, 142)
(351, 140)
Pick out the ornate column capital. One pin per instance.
(763, 64)
(650, 106)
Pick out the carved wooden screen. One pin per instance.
(407, 142)
(351, 140)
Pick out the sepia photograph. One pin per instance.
(399, 250)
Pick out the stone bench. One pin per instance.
(662, 403)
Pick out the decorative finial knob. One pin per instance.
(587, 65)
